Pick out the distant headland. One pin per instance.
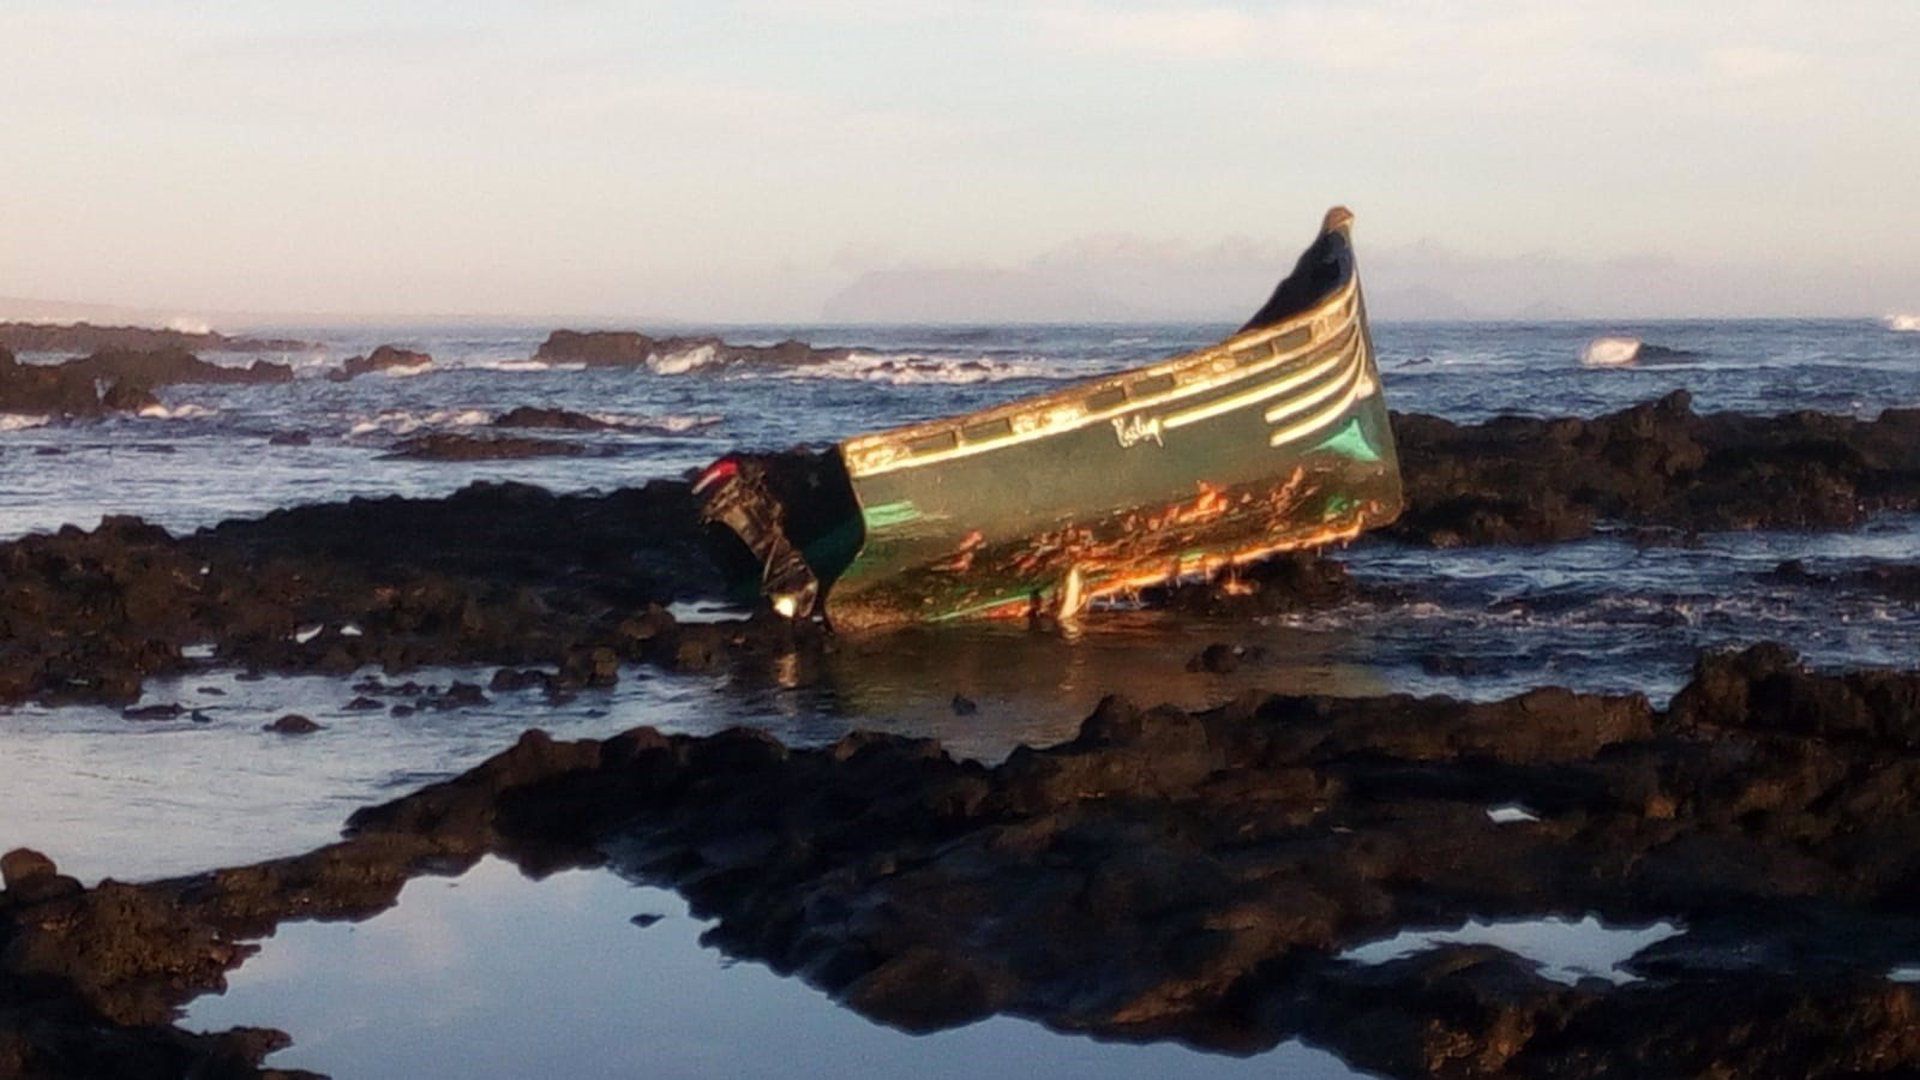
(85, 337)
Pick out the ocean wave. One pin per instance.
(905, 369)
(681, 361)
(1611, 352)
(1906, 324)
(22, 421)
(187, 411)
(505, 364)
(1625, 351)
(670, 423)
(403, 422)
(407, 371)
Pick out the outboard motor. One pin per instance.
(733, 493)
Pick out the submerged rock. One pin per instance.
(448, 446)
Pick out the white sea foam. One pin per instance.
(402, 422)
(1906, 324)
(21, 421)
(906, 369)
(187, 411)
(186, 324)
(1611, 352)
(682, 361)
(510, 364)
(670, 423)
(407, 371)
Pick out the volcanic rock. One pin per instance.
(83, 337)
(630, 348)
(1182, 875)
(168, 367)
(450, 446)
(383, 358)
(1520, 480)
(292, 724)
(533, 416)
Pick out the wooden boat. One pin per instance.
(1272, 440)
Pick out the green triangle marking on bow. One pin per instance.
(1351, 442)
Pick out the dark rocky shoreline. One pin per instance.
(631, 348)
(512, 574)
(1516, 480)
(81, 337)
(1162, 875)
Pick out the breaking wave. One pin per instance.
(21, 421)
(905, 369)
(681, 361)
(670, 424)
(188, 411)
(403, 422)
(1611, 352)
(1625, 351)
(504, 364)
(1907, 324)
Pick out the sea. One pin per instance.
(447, 976)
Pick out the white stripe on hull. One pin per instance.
(1064, 411)
(1259, 393)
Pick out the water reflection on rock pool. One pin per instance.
(493, 975)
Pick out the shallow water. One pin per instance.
(207, 457)
(442, 985)
(1566, 950)
(104, 794)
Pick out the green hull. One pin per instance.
(1007, 531)
(1275, 439)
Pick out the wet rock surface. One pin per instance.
(46, 390)
(534, 416)
(449, 446)
(81, 337)
(382, 358)
(115, 381)
(1166, 874)
(169, 367)
(630, 348)
(1518, 480)
(500, 574)
(511, 574)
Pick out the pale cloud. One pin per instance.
(1754, 63)
(745, 160)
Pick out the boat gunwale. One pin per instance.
(1209, 368)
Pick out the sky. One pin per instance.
(719, 161)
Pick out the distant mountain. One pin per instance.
(969, 294)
